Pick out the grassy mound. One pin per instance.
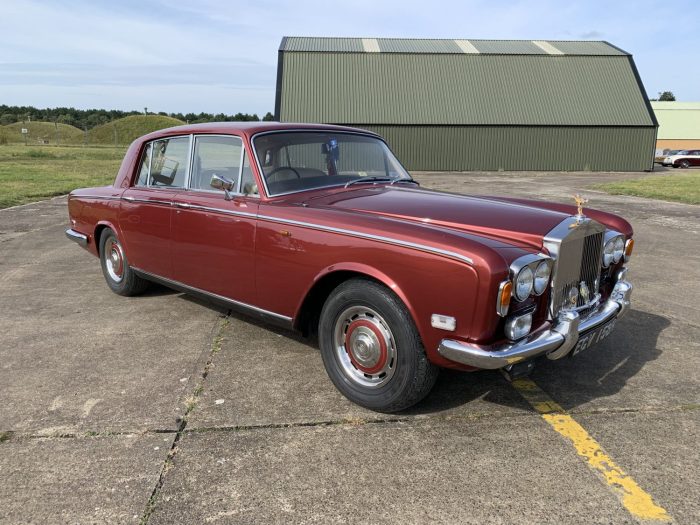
(129, 128)
(41, 132)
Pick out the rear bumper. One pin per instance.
(77, 237)
(555, 342)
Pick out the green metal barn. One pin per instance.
(453, 105)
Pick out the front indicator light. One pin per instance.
(518, 327)
(629, 247)
(505, 290)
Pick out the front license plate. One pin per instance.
(593, 337)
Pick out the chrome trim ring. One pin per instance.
(364, 347)
(114, 260)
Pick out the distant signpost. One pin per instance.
(25, 134)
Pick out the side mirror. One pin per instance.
(220, 182)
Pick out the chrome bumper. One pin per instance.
(555, 342)
(78, 237)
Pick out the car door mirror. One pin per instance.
(222, 183)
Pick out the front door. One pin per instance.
(213, 239)
(145, 214)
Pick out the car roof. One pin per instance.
(245, 128)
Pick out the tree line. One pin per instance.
(89, 118)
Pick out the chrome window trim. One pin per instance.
(179, 284)
(307, 130)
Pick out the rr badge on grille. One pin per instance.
(584, 292)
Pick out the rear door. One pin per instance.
(695, 158)
(213, 238)
(145, 216)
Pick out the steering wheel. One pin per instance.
(282, 168)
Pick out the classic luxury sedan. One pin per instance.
(683, 159)
(320, 229)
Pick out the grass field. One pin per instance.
(30, 174)
(678, 187)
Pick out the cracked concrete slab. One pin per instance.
(75, 356)
(106, 479)
(263, 376)
(661, 449)
(496, 470)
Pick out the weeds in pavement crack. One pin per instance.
(190, 405)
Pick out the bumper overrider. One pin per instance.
(555, 342)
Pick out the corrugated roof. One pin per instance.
(462, 88)
(678, 120)
(421, 45)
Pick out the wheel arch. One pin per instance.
(309, 309)
(100, 227)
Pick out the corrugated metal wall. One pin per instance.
(442, 89)
(464, 148)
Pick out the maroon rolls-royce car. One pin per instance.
(319, 228)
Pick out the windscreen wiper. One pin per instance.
(369, 179)
(390, 180)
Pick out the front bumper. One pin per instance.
(556, 342)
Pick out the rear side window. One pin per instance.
(169, 162)
(215, 155)
(142, 179)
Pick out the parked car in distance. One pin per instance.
(659, 159)
(320, 229)
(683, 159)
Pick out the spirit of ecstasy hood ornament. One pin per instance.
(580, 201)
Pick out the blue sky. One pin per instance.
(220, 56)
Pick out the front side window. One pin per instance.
(301, 160)
(215, 155)
(169, 160)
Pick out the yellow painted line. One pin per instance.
(637, 502)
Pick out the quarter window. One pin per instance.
(215, 155)
(169, 162)
(142, 179)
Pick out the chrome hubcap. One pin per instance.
(114, 260)
(364, 346)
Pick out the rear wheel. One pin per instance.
(684, 164)
(119, 275)
(371, 348)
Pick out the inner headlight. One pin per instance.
(613, 250)
(618, 249)
(542, 274)
(524, 283)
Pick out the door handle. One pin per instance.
(182, 205)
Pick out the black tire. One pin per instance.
(407, 376)
(120, 278)
(684, 164)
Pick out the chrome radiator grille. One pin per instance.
(577, 251)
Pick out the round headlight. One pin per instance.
(524, 283)
(608, 253)
(618, 249)
(542, 273)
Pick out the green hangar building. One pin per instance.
(457, 105)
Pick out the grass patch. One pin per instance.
(32, 174)
(677, 187)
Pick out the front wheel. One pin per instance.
(120, 277)
(371, 348)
